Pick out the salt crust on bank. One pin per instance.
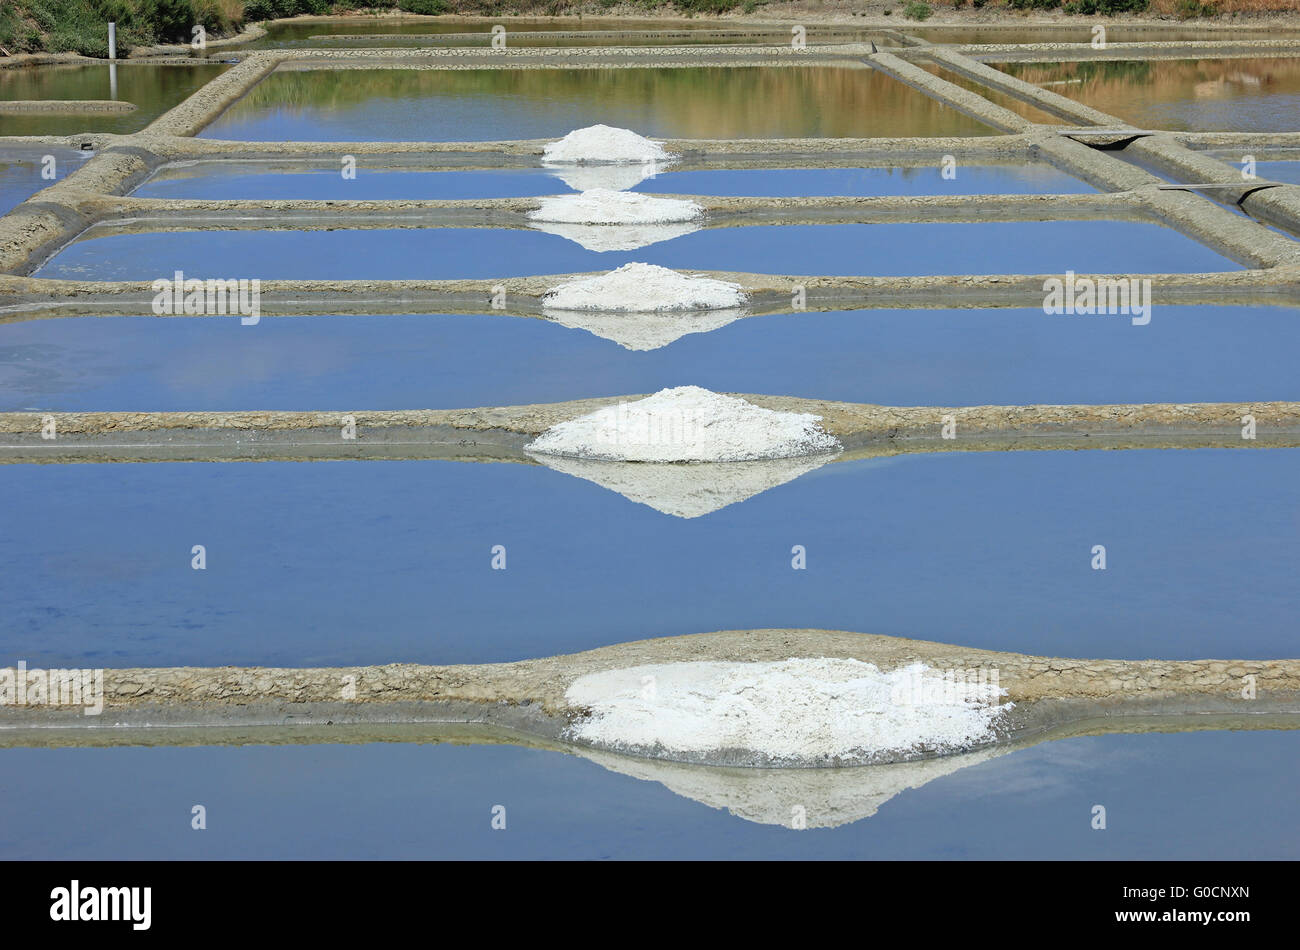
(603, 206)
(686, 424)
(642, 288)
(797, 711)
(597, 144)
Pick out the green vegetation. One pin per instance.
(1194, 9)
(1084, 7)
(81, 26)
(917, 10)
(1105, 7)
(274, 9)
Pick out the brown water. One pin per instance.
(1248, 95)
(1080, 33)
(487, 105)
(1015, 105)
(363, 32)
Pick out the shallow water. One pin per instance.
(613, 34)
(22, 172)
(153, 89)
(1034, 247)
(1018, 106)
(329, 801)
(1080, 34)
(230, 180)
(1279, 171)
(340, 563)
(302, 33)
(486, 105)
(1229, 95)
(893, 357)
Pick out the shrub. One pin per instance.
(1194, 9)
(1105, 7)
(917, 10)
(170, 19)
(425, 7)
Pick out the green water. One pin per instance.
(152, 88)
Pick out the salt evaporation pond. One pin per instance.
(228, 180)
(676, 102)
(322, 802)
(311, 33)
(1183, 95)
(1030, 247)
(892, 357)
(352, 562)
(22, 171)
(1063, 33)
(152, 88)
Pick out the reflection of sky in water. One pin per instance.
(376, 562)
(1032, 247)
(20, 172)
(221, 182)
(894, 357)
(1279, 171)
(1235, 788)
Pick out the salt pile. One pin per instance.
(602, 206)
(645, 287)
(603, 144)
(816, 711)
(686, 424)
(687, 491)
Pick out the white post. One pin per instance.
(112, 41)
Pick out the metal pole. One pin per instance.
(112, 41)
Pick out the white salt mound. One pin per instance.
(686, 424)
(642, 288)
(602, 206)
(603, 144)
(797, 711)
